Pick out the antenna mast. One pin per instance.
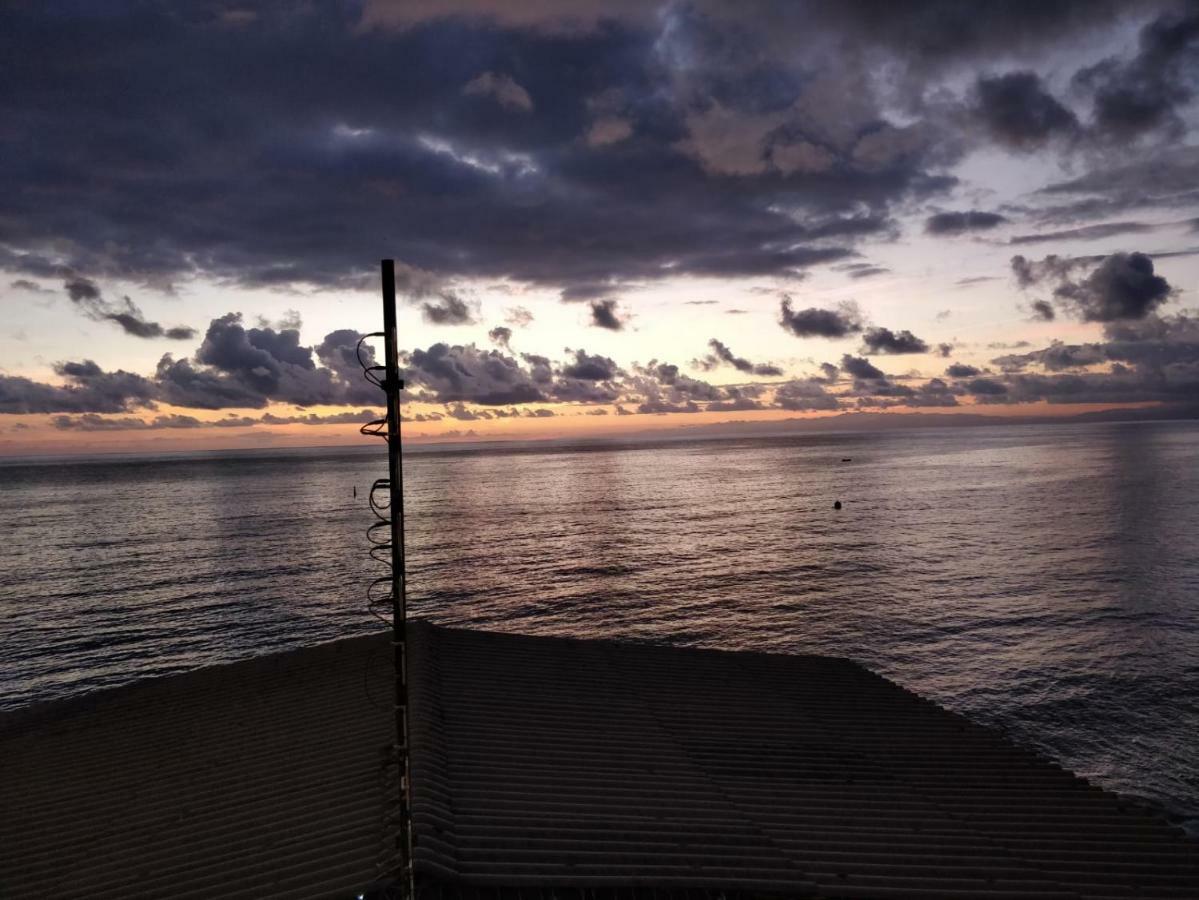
(389, 549)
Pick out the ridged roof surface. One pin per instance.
(555, 763)
(258, 779)
(550, 767)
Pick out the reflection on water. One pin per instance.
(1041, 578)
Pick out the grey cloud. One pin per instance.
(814, 322)
(502, 88)
(1143, 94)
(861, 368)
(88, 389)
(1123, 286)
(1042, 310)
(604, 315)
(518, 316)
(590, 368)
(90, 300)
(722, 354)
(961, 370)
(388, 147)
(1018, 111)
(884, 340)
(448, 309)
(501, 336)
(449, 374)
(960, 222)
(1084, 233)
(802, 395)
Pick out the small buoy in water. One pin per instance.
(837, 505)
(355, 490)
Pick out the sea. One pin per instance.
(1043, 579)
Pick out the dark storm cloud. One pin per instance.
(457, 145)
(448, 309)
(814, 322)
(604, 315)
(884, 340)
(1019, 112)
(1144, 93)
(721, 354)
(501, 336)
(961, 222)
(90, 300)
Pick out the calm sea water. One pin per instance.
(1044, 579)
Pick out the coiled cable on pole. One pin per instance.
(389, 592)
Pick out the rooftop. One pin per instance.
(549, 767)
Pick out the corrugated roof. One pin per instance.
(553, 767)
(257, 779)
(556, 763)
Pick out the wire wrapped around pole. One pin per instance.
(387, 595)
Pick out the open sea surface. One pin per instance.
(1044, 579)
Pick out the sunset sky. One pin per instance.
(608, 217)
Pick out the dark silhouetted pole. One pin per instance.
(393, 384)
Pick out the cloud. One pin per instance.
(1123, 286)
(448, 309)
(1018, 112)
(1143, 95)
(92, 422)
(24, 284)
(960, 222)
(1042, 310)
(1084, 233)
(501, 336)
(518, 317)
(88, 298)
(861, 368)
(961, 370)
(604, 315)
(87, 388)
(457, 145)
(500, 87)
(722, 354)
(590, 368)
(802, 395)
(884, 340)
(814, 322)
(464, 373)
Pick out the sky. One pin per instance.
(607, 217)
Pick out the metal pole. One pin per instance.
(399, 599)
